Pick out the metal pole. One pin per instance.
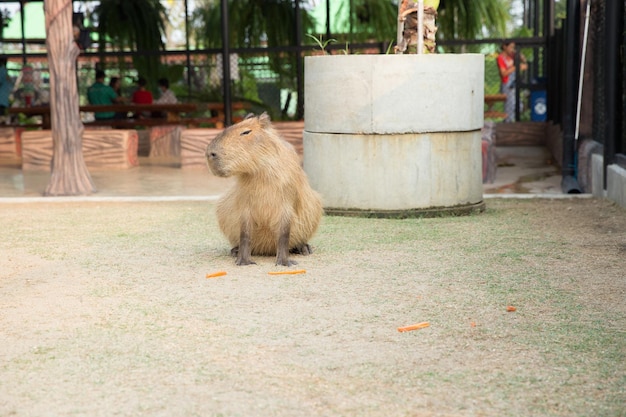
(568, 165)
(614, 12)
(581, 74)
(187, 49)
(420, 27)
(23, 21)
(328, 32)
(518, 83)
(299, 63)
(228, 114)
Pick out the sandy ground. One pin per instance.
(105, 311)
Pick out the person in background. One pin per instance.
(100, 93)
(142, 96)
(116, 85)
(6, 86)
(506, 66)
(167, 95)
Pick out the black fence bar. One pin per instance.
(228, 113)
(572, 63)
(299, 63)
(614, 13)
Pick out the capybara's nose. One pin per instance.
(212, 155)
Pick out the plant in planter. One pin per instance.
(409, 16)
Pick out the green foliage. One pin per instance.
(5, 19)
(372, 20)
(467, 19)
(322, 43)
(376, 20)
(137, 25)
(492, 77)
(252, 23)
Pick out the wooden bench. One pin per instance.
(191, 122)
(291, 131)
(173, 111)
(175, 114)
(193, 142)
(102, 149)
(164, 141)
(9, 145)
(490, 101)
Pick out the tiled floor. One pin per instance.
(525, 170)
(521, 170)
(151, 178)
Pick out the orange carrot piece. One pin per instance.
(414, 327)
(472, 324)
(292, 272)
(216, 274)
(510, 308)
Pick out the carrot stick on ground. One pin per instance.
(510, 308)
(216, 274)
(293, 272)
(414, 327)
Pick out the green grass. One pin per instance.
(106, 308)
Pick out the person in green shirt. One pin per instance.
(100, 93)
(6, 86)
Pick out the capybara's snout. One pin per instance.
(214, 162)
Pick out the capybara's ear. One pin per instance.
(249, 116)
(264, 120)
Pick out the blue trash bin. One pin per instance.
(538, 106)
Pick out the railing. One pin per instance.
(158, 114)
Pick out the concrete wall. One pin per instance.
(615, 180)
(616, 184)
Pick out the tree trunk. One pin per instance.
(69, 173)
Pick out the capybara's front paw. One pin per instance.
(244, 261)
(234, 252)
(285, 262)
(304, 249)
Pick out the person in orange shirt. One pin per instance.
(506, 66)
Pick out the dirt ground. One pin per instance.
(105, 311)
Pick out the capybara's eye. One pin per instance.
(245, 132)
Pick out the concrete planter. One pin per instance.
(395, 135)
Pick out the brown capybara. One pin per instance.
(272, 209)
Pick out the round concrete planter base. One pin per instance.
(395, 135)
(409, 214)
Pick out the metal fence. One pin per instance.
(270, 78)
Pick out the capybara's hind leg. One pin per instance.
(234, 251)
(304, 249)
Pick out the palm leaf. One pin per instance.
(137, 25)
(253, 23)
(466, 19)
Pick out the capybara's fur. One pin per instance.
(272, 209)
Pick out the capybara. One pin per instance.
(272, 209)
